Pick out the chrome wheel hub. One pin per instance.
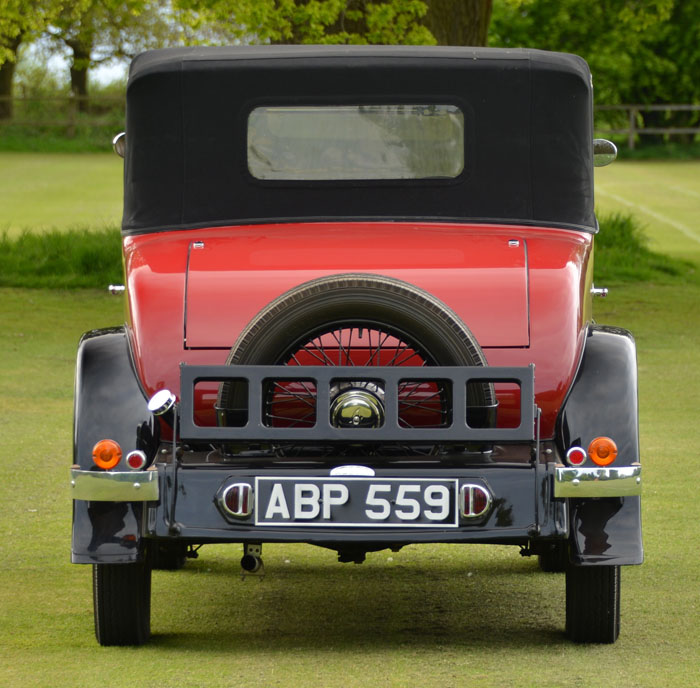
(358, 407)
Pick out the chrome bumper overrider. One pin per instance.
(114, 486)
(623, 481)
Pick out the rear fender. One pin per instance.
(603, 402)
(109, 404)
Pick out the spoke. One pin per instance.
(292, 420)
(418, 405)
(405, 360)
(399, 351)
(378, 350)
(296, 395)
(404, 398)
(319, 349)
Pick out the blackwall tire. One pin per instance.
(122, 603)
(167, 556)
(555, 559)
(593, 603)
(358, 298)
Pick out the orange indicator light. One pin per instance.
(603, 451)
(106, 454)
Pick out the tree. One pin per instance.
(640, 51)
(312, 21)
(19, 20)
(99, 31)
(459, 22)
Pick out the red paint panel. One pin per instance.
(558, 267)
(482, 277)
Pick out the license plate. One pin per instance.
(356, 502)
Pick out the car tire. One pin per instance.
(593, 603)
(167, 556)
(122, 603)
(555, 558)
(338, 300)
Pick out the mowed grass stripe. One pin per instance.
(41, 191)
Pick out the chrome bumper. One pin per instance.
(623, 481)
(114, 486)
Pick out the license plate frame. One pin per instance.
(321, 503)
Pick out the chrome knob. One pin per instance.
(357, 408)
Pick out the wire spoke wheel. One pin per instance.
(352, 321)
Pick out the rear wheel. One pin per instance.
(593, 603)
(122, 603)
(167, 556)
(554, 558)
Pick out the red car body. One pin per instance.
(525, 303)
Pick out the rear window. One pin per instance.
(360, 142)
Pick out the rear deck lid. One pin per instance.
(479, 272)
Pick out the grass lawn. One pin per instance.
(432, 615)
(59, 190)
(437, 615)
(664, 195)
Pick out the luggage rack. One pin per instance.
(456, 430)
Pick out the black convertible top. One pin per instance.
(528, 134)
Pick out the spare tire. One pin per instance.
(359, 319)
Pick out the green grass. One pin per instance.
(622, 254)
(59, 191)
(436, 615)
(59, 260)
(48, 139)
(664, 196)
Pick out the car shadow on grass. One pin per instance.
(384, 603)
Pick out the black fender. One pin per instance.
(603, 402)
(109, 404)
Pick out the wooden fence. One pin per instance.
(67, 113)
(635, 123)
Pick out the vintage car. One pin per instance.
(358, 295)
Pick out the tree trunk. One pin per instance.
(459, 22)
(79, 74)
(7, 73)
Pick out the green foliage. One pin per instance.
(312, 21)
(639, 52)
(622, 255)
(77, 258)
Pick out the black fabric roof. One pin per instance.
(529, 127)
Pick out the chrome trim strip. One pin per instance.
(114, 486)
(609, 481)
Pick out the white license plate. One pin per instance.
(356, 502)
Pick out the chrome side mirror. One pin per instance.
(604, 152)
(119, 144)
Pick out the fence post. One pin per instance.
(633, 128)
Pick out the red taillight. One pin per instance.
(106, 454)
(136, 460)
(603, 451)
(237, 500)
(475, 500)
(576, 456)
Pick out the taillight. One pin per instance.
(136, 460)
(603, 451)
(576, 456)
(475, 500)
(237, 500)
(106, 454)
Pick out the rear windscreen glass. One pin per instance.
(361, 142)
